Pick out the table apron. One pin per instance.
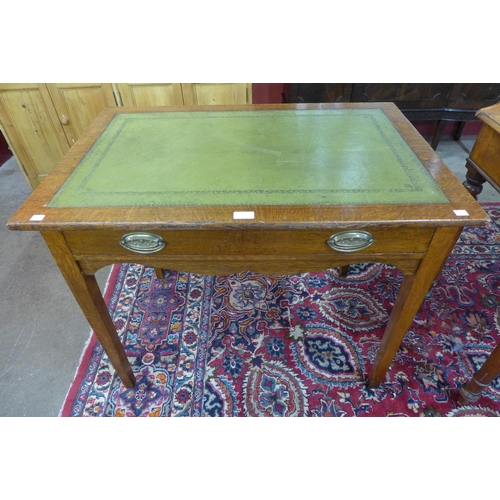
(269, 264)
(249, 242)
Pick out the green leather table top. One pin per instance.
(272, 157)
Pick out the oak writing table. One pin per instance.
(287, 188)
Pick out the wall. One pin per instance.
(270, 93)
(5, 152)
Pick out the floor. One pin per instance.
(39, 352)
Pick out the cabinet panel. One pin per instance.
(216, 93)
(29, 121)
(474, 95)
(78, 104)
(320, 92)
(405, 95)
(150, 94)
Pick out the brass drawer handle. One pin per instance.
(142, 242)
(350, 241)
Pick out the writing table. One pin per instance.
(288, 188)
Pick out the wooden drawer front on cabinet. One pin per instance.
(250, 242)
(78, 104)
(150, 94)
(216, 93)
(35, 134)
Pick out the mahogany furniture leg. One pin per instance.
(88, 295)
(474, 180)
(344, 271)
(410, 297)
(437, 134)
(471, 392)
(460, 129)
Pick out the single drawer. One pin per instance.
(252, 242)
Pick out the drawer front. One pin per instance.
(252, 242)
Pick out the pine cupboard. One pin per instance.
(178, 94)
(77, 105)
(31, 126)
(216, 93)
(41, 121)
(149, 94)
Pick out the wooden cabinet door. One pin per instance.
(404, 95)
(150, 94)
(78, 104)
(217, 93)
(474, 95)
(320, 92)
(31, 126)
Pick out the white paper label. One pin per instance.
(461, 213)
(37, 217)
(243, 215)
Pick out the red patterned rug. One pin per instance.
(299, 345)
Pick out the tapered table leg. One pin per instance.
(472, 391)
(88, 295)
(410, 297)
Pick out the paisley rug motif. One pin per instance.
(353, 308)
(296, 345)
(327, 356)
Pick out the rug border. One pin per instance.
(87, 351)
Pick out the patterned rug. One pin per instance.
(298, 345)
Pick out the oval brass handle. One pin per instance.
(64, 120)
(350, 241)
(142, 242)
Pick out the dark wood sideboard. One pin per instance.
(441, 102)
